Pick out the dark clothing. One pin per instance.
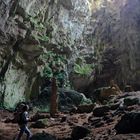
(23, 118)
(23, 126)
(24, 129)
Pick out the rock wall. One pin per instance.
(104, 32)
(117, 33)
(19, 54)
(18, 69)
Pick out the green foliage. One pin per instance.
(83, 69)
(53, 59)
(47, 72)
(39, 28)
(54, 67)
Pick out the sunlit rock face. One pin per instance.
(18, 67)
(16, 81)
(130, 42)
(117, 31)
(69, 21)
(105, 32)
(71, 30)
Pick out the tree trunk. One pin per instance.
(53, 103)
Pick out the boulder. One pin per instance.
(38, 116)
(83, 108)
(114, 106)
(101, 111)
(94, 121)
(67, 99)
(129, 123)
(79, 132)
(129, 101)
(43, 136)
(128, 88)
(40, 123)
(108, 91)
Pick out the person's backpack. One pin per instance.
(18, 118)
(18, 113)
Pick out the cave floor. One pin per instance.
(62, 130)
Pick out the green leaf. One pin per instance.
(84, 69)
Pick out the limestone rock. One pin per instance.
(79, 132)
(66, 101)
(129, 123)
(83, 108)
(43, 136)
(101, 111)
(42, 123)
(129, 101)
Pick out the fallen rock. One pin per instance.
(129, 101)
(114, 106)
(79, 132)
(40, 123)
(108, 91)
(43, 136)
(129, 123)
(101, 111)
(67, 99)
(83, 108)
(93, 121)
(128, 88)
(38, 116)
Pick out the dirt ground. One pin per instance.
(8, 131)
(62, 130)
